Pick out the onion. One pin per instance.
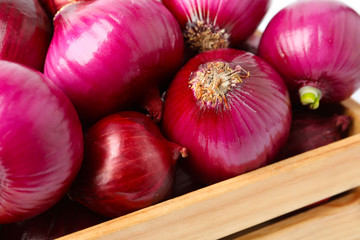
(231, 110)
(53, 6)
(214, 24)
(25, 32)
(314, 46)
(41, 144)
(313, 129)
(252, 43)
(128, 165)
(184, 181)
(64, 218)
(112, 55)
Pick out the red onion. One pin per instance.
(53, 6)
(252, 43)
(231, 110)
(216, 24)
(41, 144)
(111, 55)
(314, 45)
(184, 181)
(25, 32)
(128, 165)
(313, 129)
(315, 204)
(64, 218)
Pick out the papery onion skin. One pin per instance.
(53, 6)
(25, 32)
(41, 144)
(63, 218)
(112, 55)
(315, 43)
(237, 135)
(128, 165)
(239, 19)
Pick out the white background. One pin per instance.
(277, 5)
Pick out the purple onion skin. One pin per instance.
(313, 129)
(128, 165)
(315, 43)
(229, 139)
(25, 32)
(64, 218)
(112, 55)
(239, 18)
(41, 144)
(53, 6)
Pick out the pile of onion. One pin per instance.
(314, 46)
(226, 111)
(231, 110)
(214, 24)
(128, 165)
(25, 32)
(114, 55)
(41, 144)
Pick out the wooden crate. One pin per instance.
(225, 208)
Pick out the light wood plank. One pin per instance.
(337, 219)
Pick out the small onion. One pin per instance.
(231, 110)
(113, 55)
(214, 24)
(128, 165)
(313, 129)
(41, 144)
(314, 45)
(25, 32)
(64, 218)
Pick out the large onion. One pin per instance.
(41, 143)
(231, 110)
(25, 32)
(128, 165)
(214, 24)
(315, 46)
(112, 55)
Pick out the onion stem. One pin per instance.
(310, 95)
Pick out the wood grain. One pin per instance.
(337, 219)
(244, 201)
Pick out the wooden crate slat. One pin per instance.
(337, 219)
